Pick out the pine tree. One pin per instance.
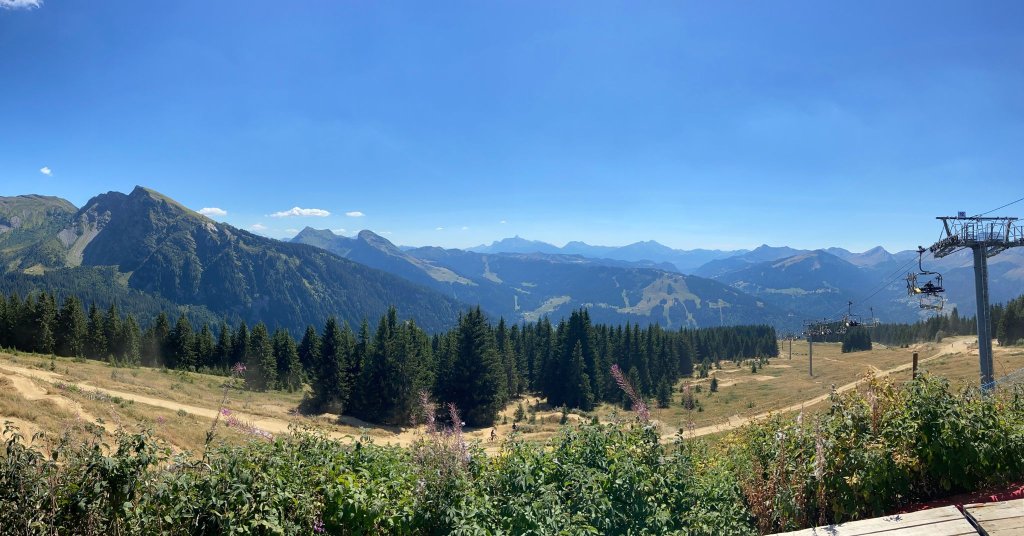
(182, 345)
(96, 341)
(225, 347)
(131, 336)
(241, 351)
(261, 369)
(331, 387)
(206, 348)
(664, 393)
(579, 393)
(112, 331)
(289, 369)
(309, 353)
(156, 342)
(71, 328)
(475, 380)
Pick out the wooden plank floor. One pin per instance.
(998, 519)
(945, 521)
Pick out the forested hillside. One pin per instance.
(377, 372)
(171, 253)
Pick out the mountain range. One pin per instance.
(145, 251)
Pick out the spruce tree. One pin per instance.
(131, 336)
(309, 353)
(96, 341)
(331, 386)
(289, 369)
(225, 347)
(261, 368)
(206, 347)
(664, 393)
(475, 381)
(71, 328)
(182, 345)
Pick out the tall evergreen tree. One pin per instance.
(96, 340)
(309, 352)
(261, 369)
(289, 369)
(331, 386)
(71, 328)
(182, 345)
(474, 383)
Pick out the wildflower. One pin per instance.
(225, 412)
(318, 526)
(238, 369)
(639, 406)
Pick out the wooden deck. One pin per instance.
(998, 519)
(945, 521)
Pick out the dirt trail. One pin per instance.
(30, 391)
(738, 422)
(20, 376)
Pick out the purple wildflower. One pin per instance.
(318, 526)
(239, 368)
(639, 406)
(225, 412)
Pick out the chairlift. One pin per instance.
(851, 320)
(930, 293)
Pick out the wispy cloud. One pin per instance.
(292, 231)
(439, 228)
(464, 228)
(45, 170)
(338, 231)
(503, 222)
(296, 211)
(213, 211)
(355, 214)
(21, 4)
(258, 227)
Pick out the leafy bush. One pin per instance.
(869, 454)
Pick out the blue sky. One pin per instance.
(697, 124)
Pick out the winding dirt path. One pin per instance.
(738, 422)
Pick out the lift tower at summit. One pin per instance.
(985, 237)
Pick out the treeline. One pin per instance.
(1007, 322)
(1010, 327)
(378, 374)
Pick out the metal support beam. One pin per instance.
(985, 236)
(984, 317)
(810, 356)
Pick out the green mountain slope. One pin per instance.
(29, 232)
(166, 250)
(528, 286)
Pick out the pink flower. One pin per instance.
(639, 406)
(225, 412)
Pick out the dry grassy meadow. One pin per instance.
(70, 399)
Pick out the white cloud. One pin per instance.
(213, 211)
(439, 228)
(464, 228)
(292, 231)
(338, 231)
(258, 227)
(44, 170)
(296, 211)
(21, 4)
(503, 222)
(355, 214)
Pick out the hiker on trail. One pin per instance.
(494, 433)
